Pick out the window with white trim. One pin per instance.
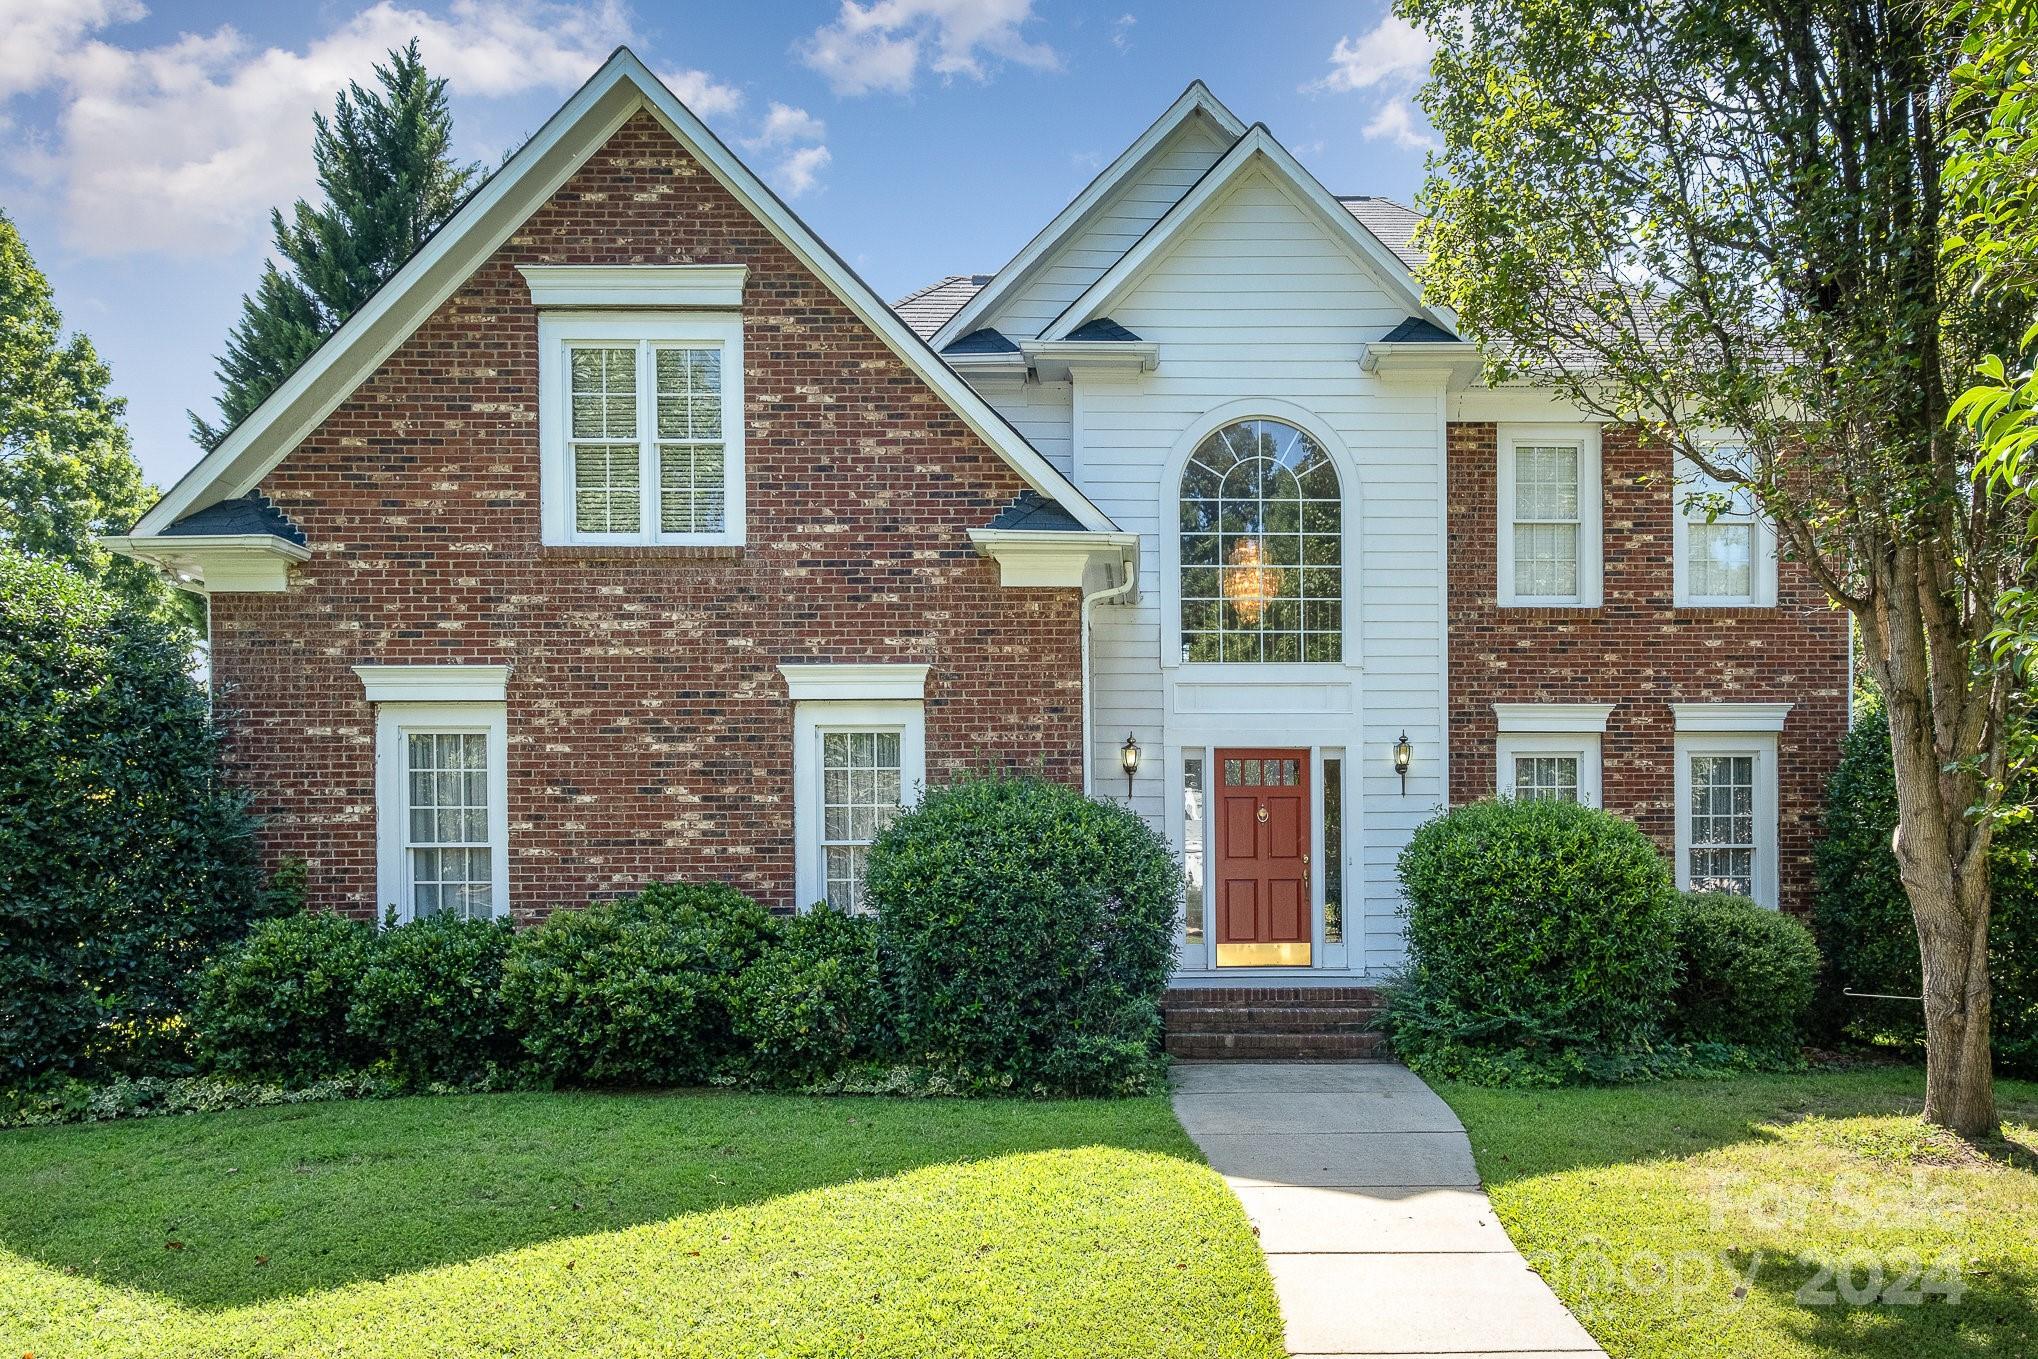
(1725, 553)
(1549, 516)
(442, 816)
(1557, 766)
(641, 421)
(855, 766)
(1727, 814)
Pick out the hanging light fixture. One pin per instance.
(1250, 583)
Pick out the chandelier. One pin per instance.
(1250, 583)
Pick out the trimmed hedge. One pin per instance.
(429, 1005)
(813, 1006)
(636, 991)
(274, 1007)
(1031, 932)
(1863, 917)
(1747, 975)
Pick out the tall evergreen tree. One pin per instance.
(67, 472)
(388, 178)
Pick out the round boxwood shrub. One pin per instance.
(274, 1007)
(1746, 975)
(813, 1006)
(429, 1006)
(635, 991)
(1863, 917)
(1536, 924)
(1030, 932)
(126, 861)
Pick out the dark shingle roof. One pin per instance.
(984, 341)
(927, 309)
(1417, 330)
(251, 513)
(1393, 223)
(1035, 513)
(1103, 328)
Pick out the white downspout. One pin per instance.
(1092, 598)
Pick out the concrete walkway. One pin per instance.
(1359, 1180)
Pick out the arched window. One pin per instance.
(1262, 547)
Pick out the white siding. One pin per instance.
(1120, 220)
(1038, 410)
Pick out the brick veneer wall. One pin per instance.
(649, 732)
(1639, 651)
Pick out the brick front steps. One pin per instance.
(1272, 1023)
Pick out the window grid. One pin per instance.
(1723, 823)
(1261, 548)
(647, 414)
(1547, 522)
(446, 824)
(861, 789)
(1546, 777)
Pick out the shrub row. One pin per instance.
(1548, 946)
(1023, 938)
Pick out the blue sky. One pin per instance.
(141, 146)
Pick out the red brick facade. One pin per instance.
(1640, 651)
(649, 731)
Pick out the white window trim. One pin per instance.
(636, 285)
(1591, 495)
(1582, 745)
(851, 683)
(814, 719)
(1565, 717)
(434, 683)
(1762, 746)
(394, 723)
(1730, 717)
(557, 332)
(1761, 554)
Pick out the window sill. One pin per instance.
(638, 552)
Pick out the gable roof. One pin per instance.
(1194, 102)
(615, 93)
(1258, 147)
(1394, 223)
(927, 309)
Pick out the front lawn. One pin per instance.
(696, 1224)
(1773, 1216)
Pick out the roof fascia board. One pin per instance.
(917, 354)
(616, 92)
(389, 317)
(1257, 145)
(1195, 99)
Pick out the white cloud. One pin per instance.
(1121, 31)
(702, 93)
(798, 171)
(784, 125)
(883, 44)
(1390, 59)
(183, 147)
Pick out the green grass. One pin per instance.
(614, 1225)
(1695, 1217)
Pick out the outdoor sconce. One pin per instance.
(1128, 760)
(1404, 754)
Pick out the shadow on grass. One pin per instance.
(220, 1211)
(1891, 1305)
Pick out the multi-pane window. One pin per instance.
(1723, 552)
(1546, 521)
(1193, 824)
(1722, 828)
(447, 850)
(1261, 548)
(861, 788)
(647, 415)
(1549, 777)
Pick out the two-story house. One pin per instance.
(625, 534)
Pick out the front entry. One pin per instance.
(1263, 822)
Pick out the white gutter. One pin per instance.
(1092, 598)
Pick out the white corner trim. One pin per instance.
(215, 564)
(851, 683)
(636, 285)
(1553, 717)
(434, 683)
(1027, 558)
(1734, 718)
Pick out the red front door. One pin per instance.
(1263, 858)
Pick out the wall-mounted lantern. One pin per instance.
(1128, 760)
(1404, 755)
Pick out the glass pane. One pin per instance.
(1546, 560)
(604, 393)
(1333, 850)
(605, 488)
(1552, 777)
(1719, 560)
(1192, 846)
(1232, 771)
(690, 490)
(1546, 481)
